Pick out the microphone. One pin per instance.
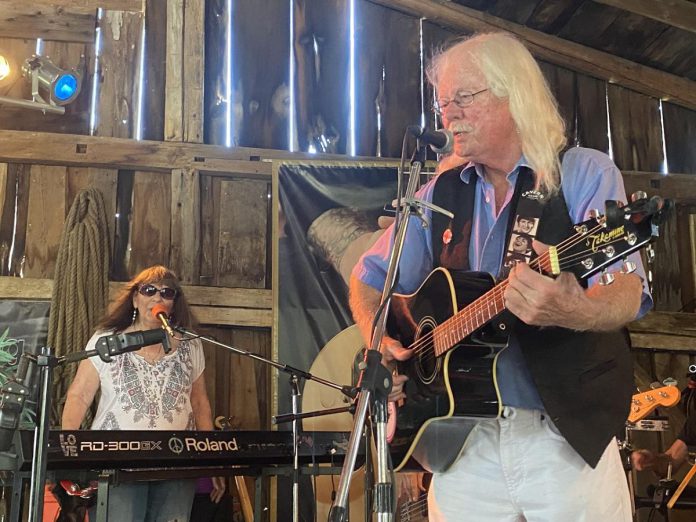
(160, 312)
(117, 344)
(441, 141)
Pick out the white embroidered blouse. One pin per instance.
(138, 395)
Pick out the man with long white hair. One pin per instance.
(565, 378)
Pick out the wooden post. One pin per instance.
(184, 256)
(185, 71)
(173, 105)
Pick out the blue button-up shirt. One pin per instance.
(589, 178)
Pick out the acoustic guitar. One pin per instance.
(455, 325)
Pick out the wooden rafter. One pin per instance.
(677, 13)
(556, 50)
(93, 5)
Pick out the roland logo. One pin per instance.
(193, 444)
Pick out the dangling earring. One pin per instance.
(135, 316)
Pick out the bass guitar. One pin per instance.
(643, 403)
(456, 327)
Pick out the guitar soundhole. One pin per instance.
(427, 364)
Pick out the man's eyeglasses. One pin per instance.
(461, 100)
(150, 290)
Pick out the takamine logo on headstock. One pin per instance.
(643, 403)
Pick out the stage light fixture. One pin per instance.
(5, 68)
(49, 83)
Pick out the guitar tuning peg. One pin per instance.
(655, 385)
(670, 381)
(628, 267)
(639, 194)
(650, 253)
(594, 213)
(606, 278)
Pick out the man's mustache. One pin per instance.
(459, 126)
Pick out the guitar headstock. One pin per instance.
(643, 403)
(600, 242)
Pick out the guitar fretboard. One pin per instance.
(469, 319)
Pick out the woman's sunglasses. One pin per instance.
(150, 290)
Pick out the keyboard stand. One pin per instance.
(111, 476)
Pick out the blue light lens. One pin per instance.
(65, 88)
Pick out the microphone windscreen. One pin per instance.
(159, 309)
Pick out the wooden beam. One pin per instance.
(568, 54)
(680, 187)
(95, 151)
(233, 316)
(210, 305)
(241, 169)
(677, 13)
(46, 20)
(670, 331)
(93, 5)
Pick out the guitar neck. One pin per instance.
(469, 319)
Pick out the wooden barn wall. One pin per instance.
(215, 229)
(234, 230)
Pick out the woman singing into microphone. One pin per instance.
(147, 389)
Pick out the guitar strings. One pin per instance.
(477, 307)
(415, 507)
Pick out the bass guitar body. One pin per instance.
(450, 393)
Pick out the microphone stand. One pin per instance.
(295, 378)
(375, 380)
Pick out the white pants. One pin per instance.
(519, 468)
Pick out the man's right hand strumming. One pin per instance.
(392, 351)
(364, 303)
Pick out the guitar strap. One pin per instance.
(450, 237)
(527, 206)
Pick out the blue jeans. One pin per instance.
(155, 501)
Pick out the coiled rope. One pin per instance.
(80, 287)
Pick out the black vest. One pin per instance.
(585, 379)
